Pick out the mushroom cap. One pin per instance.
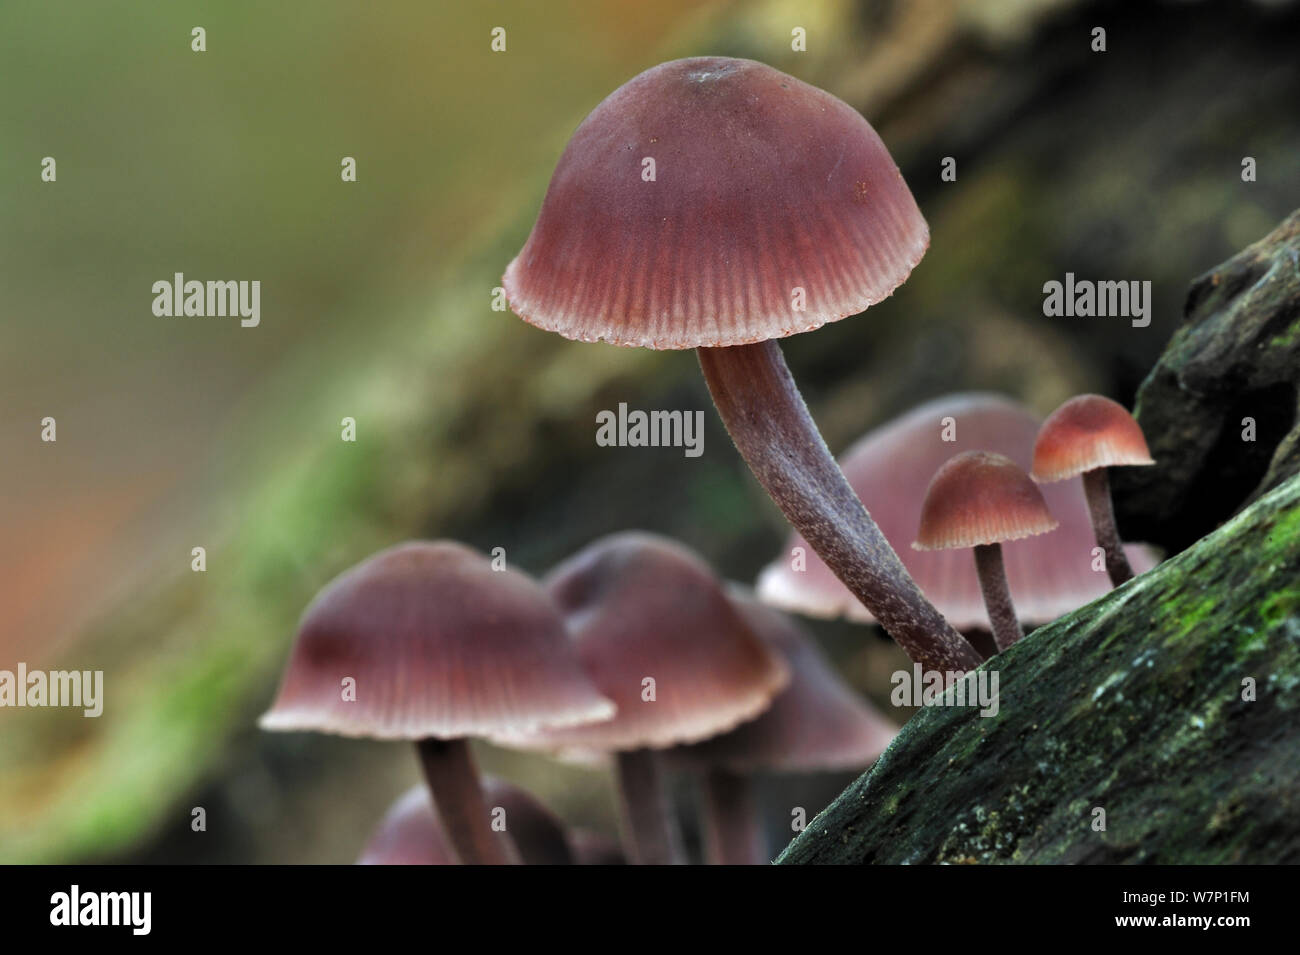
(763, 184)
(817, 723)
(411, 832)
(979, 497)
(890, 468)
(641, 606)
(439, 645)
(1085, 433)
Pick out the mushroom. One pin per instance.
(412, 834)
(816, 724)
(979, 499)
(721, 205)
(890, 467)
(426, 642)
(1086, 435)
(654, 628)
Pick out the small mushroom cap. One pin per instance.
(437, 644)
(1085, 433)
(890, 468)
(642, 607)
(411, 832)
(981, 498)
(816, 724)
(762, 185)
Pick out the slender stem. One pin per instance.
(649, 824)
(732, 832)
(1096, 488)
(766, 416)
(458, 797)
(997, 595)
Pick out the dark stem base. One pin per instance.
(1096, 488)
(997, 595)
(732, 833)
(650, 830)
(463, 811)
(766, 416)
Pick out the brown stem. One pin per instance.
(997, 595)
(732, 832)
(1096, 488)
(766, 416)
(649, 824)
(462, 810)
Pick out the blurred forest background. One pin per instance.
(176, 433)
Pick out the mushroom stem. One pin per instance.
(762, 409)
(997, 595)
(463, 810)
(731, 830)
(649, 824)
(1096, 488)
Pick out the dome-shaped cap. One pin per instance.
(761, 185)
(1085, 433)
(981, 498)
(643, 607)
(437, 644)
(817, 723)
(411, 832)
(890, 468)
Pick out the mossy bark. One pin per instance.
(1136, 704)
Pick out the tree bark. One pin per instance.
(1139, 704)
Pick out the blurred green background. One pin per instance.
(183, 432)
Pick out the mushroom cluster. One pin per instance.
(631, 650)
(719, 205)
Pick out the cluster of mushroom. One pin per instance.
(951, 475)
(982, 500)
(719, 205)
(631, 650)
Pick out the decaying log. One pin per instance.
(1165, 712)
(1220, 407)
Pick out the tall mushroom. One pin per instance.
(979, 500)
(816, 724)
(426, 642)
(1086, 435)
(654, 628)
(891, 466)
(721, 205)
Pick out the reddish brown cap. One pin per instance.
(1087, 432)
(816, 724)
(643, 607)
(411, 832)
(890, 468)
(981, 498)
(437, 644)
(762, 184)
